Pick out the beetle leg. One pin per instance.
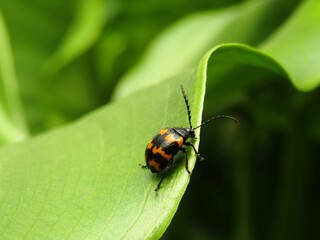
(164, 173)
(143, 166)
(196, 152)
(187, 162)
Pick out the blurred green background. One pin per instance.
(259, 181)
(83, 47)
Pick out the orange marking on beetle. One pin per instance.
(154, 164)
(163, 131)
(159, 150)
(174, 138)
(180, 141)
(150, 144)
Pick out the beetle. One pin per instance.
(164, 146)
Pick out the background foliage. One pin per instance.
(61, 60)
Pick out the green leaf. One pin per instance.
(287, 46)
(182, 45)
(86, 28)
(296, 46)
(84, 180)
(50, 39)
(12, 121)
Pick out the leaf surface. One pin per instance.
(84, 180)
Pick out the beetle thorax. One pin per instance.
(185, 132)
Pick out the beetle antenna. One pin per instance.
(216, 117)
(187, 104)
